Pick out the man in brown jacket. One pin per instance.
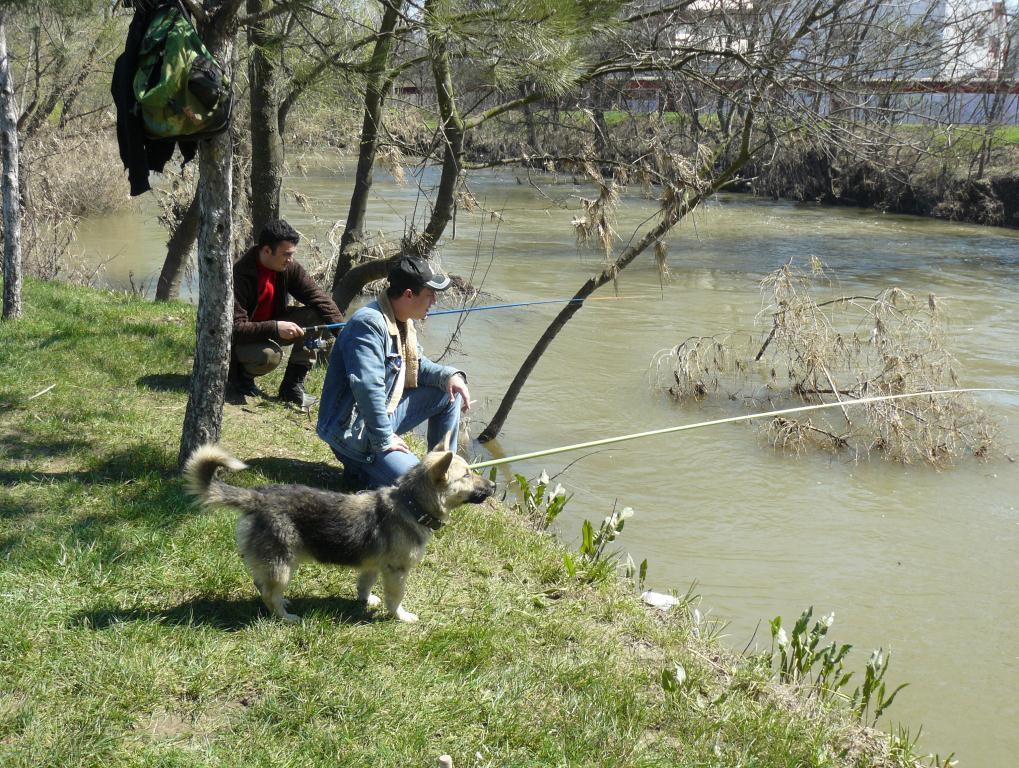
(263, 323)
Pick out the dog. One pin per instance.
(382, 532)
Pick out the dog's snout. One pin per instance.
(483, 489)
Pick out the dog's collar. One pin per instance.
(421, 517)
(429, 521)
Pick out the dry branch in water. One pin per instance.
(827, 350)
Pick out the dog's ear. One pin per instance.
(444, 445)
(437, 470)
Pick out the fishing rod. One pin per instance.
(729, 420)
(459, 310)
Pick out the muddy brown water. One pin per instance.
(920, 562)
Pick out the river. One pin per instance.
(920, 562)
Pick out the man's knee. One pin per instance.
(455, 405)
(258, 359)
(389, 467)
(446, 406)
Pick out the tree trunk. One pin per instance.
(601, 127)
(267, 152)
(453, 133)
(672, 216)
(358, 277)
(529, 122)
(177, 250)
(78, 83)
(34, 119)
(11, 187)
(374, 98)
(243, 220)
(606, 276)
(204, 415)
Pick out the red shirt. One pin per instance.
(266, 292)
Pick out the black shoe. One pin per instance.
(295, 394)
(233, 397)
(292, 387)
(241, 385)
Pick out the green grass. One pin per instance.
(130, 634)
(613, 117)
(964, 139)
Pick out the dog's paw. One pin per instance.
(290, 618)
(373, 601)
(406, 616)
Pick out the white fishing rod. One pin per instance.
(731, 420)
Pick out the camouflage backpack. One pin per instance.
(181, 90)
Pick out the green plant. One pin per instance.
(799, 654)
(636, 574)
(873, 683)
(674, 678)
(537, 504)
(903, 747)
(592, 563)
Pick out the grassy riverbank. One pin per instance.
(131, 635)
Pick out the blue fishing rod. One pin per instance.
(459, 310)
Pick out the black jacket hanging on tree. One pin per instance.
(140, 154)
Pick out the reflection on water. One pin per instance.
(921, 562)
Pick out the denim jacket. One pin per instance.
(362, 373)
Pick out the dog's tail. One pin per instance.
(200, 476)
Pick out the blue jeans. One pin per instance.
(416, 406)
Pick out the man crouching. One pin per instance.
(263, 322)
(379, 383)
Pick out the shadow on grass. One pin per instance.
(317, 474)
(18, 447)
(227, 614)
(124, 465)
(136, 484)
(62, 336)
(8, 544)
(11, 400)
(165, 382)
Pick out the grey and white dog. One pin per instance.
(381, 532)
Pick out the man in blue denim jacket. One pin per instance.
(379, 384)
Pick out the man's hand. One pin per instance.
(398, 444)
(288, 331)
(457, 386)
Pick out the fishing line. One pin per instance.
(459, 310)
(730, 420)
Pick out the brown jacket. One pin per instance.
(294, 280)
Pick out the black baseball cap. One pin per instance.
(415, 272)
